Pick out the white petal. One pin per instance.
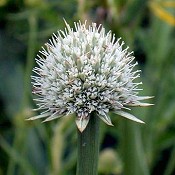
(144, 97)
(128, 116)
(52, 118)
(140, 104)
(106, 119)
(82, 122)
(39, 116)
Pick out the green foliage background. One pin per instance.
(128, 148)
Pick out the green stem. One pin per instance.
(88, 148)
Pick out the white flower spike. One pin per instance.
(85, 71)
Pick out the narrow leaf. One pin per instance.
(140, 104)
(145, 97)
(128, 116)
(106, 119)
(39, 116)
(52, 117)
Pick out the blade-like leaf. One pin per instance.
(106, 119)
(145, 97)
(140, 104)
(39, 116)
(128, 116)
(52, 117)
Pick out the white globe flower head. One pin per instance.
(85, 71)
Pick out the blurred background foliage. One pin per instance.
(128, 148)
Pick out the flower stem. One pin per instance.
(88, 148)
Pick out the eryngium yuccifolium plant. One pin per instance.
(83, 71)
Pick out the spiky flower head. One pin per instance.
(83, 71)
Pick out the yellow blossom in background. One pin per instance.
(158, 9)
(2, 2)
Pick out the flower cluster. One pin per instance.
(85, 71)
